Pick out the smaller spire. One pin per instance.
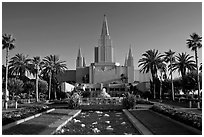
(79, 60)
(130, 61)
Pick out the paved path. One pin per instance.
(45, 124)
(161, 125)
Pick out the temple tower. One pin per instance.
(79, 60)
(104, 51)
(130, 61)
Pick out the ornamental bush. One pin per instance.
(189, 118)
(86, 94)
(128, 101)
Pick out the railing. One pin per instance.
(101, 101)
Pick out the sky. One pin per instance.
(59, 28)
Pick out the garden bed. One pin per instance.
(189, 118)
(99, 123)
(12, 116)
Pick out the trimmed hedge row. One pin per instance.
(188, 118)
(9, 117)
(143, 101)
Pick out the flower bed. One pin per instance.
(99, 123)
(189, 118)
(9, 117)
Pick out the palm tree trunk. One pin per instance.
(172, 83)
(36, 88)
(55, 92)
(154, 86)
(6, 88)
(50, 80)
(198, 81)
(160, 93)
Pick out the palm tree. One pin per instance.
(52, 66)
(162, 69)
(170, 58)
(8, 44)
(194, 43)
(149, 63)
(36, 62)
(200, 68)
(19, 65)
(183, 64)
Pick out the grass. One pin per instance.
(96, 123)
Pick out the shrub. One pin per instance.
(128, 101)
(189, 118)
(86, 94)
(74, 101)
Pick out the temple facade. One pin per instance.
(103, 69)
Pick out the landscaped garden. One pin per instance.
(46, 86)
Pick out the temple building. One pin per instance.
(103, 69)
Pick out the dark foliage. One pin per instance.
(9, 117)
(128, 101)
(189, 118)
(86, 94)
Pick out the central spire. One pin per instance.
(79, 53)
(105, 27)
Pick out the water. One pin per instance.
(99, 123)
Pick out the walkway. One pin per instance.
(45, 124)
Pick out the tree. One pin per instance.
(43, 88)
(19, 65)
(162, 69)
(200, 68)
(52, 66)
(7, 44)
(194, 43)
(183, 64)
(149, 63)
(29, 86)
(169, 57)
(15, 86)
(3, 73)
(36, 62)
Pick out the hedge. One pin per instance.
(188, 118)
